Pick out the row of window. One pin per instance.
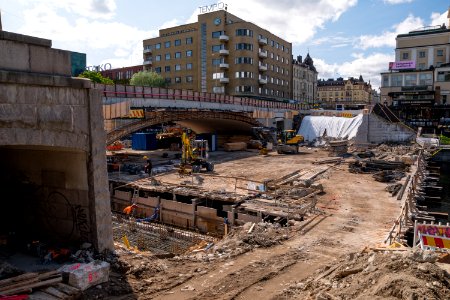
(422, 54)
(240, 75)
(167, 44)
(407, 80)
(187, 79)
(168, 56)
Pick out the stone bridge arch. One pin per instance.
(158, 117)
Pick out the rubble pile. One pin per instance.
(409, 274)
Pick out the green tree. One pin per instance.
(96, 77)
(148, 78)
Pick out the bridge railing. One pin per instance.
(131, 91)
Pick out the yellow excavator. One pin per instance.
(289, 142)
(194, 155)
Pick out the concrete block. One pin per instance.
(14, 56)
(19, 115)
(84, 276)
(50, 61)
(55, 117)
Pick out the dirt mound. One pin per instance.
(376, 275)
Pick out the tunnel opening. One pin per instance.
(45, 200)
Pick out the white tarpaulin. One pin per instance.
(313, 127)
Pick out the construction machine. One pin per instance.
(289, 142)
(194, 155)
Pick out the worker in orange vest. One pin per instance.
(130, 209)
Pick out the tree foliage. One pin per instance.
(95, 77)
(148, 78)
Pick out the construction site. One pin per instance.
(337, 205)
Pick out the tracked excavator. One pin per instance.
(194, 155)
(289, 142)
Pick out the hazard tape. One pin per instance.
(136, 113)
(427, 240)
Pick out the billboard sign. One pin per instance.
(402, 65)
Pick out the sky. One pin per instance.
(345, 38)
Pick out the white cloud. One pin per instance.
(369, 67)
(393, 2)
(387, 38)
(439, 19)
(296, 21)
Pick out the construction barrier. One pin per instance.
(431, 235)
(431, 241)
(136, 114)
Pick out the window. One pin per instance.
(425, 79)
(271, 55)
(188, 53)
(216, 34)
(218, 75)
(177, 54)
(158, 69)
(272, 43)
(410, 80)
(277, 45)
(188, 41)
(216, 48)
(177, 67)
(158, 58)
(385, 81)
(158, 46)
(244, 89)
(167, 44)
(440, 52)
(189, 66)
(177, 79)
(177, 42)
(244, 46)
(244, 74)
(443, 76)
(167, 56)
(397, 80)
(189, 78)
(244, 32)
(421, 66)
(405, 55)
(421, 54)
(167, 69)
(168, 80)
(148, 47)
(216, 61)
(243, 60)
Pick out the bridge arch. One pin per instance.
(164, 116)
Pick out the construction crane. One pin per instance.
(289, 142)
(194, 155)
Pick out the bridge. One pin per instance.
(128, 109)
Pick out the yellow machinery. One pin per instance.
(289, 142)
(194, 155)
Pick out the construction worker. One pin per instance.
(130, 209)
(148, 167)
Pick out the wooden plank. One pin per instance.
(17, 278)
(69, 290)
(32, 285)
(54, 292)
(18, 284)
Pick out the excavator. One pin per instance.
(194, 155)
(289, 142)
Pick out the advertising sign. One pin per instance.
(402, 65)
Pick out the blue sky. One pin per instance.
(344, 37)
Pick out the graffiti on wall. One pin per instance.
(432, 229)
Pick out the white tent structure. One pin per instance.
(313, 127)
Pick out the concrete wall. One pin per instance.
(375, 130)
(62, 116)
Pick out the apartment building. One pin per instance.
(417, 84)
(304, 80)
(222, 53)
(343, 93)
(122, 75)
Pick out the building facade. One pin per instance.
(122, 75)
(417, 84)
(304, 80)
(222, 53)
(343, 93)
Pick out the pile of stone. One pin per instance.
(410, 274)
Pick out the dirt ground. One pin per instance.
(354, 212)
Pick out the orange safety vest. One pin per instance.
(128, 209)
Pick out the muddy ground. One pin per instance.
(354, 213)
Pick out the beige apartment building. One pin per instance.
(222, 53)
(420, 75)
(343, 94)
(304, 80)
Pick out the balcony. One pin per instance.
(148, 62)
(263, 80)
(224, 66)
(224, 38)
(262, 54)
(262, 68)
(224, 80)
(224, 52)
(262, 41)
(147, 51)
